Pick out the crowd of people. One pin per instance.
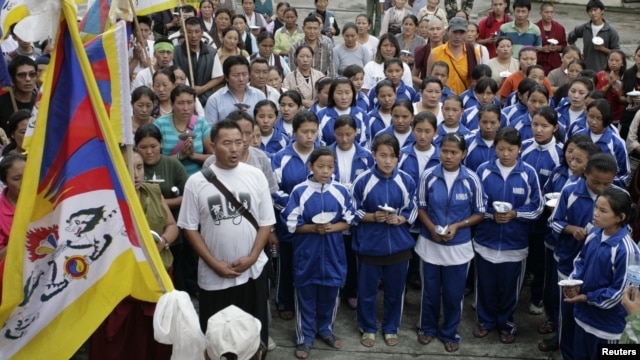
(423, 151)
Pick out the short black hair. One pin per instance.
(232, 61)
(320, 151)
(510, 135)
(7, 162)
(19, 61)
(182, 89)
(522, 4)
(223, 124)
(194, 21)
(595, 4)
(147, 130)
(386, 139)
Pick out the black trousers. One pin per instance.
(250, 297)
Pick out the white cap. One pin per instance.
(232, 330)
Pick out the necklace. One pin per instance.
(163, 111)
(175, 125)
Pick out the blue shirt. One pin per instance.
(223, 102)
(170, 140)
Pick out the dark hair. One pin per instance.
(588, 147)
(292, 9)
(509, 135)
(539, 89)
(580, 62)
(431, 79)
(481, 71)
(489, 108)
(534, 66)
(141, 91)
(238, 115)
(595, 4)
(621, 205)
(364, 16)
(310, 19)
(383, 83)
(623, 67)
(232, 61)
(454, 97)
(572, 48)
(18, 61)
(413, 18)
(223, 124)
(503, 38)
(322, 83)
(302, 117)
(147, 130)
(604, 108)
(589, 74)
(264, 35)
(522, 3)
(320, 151)
(455, 138)
(526, 85)
(603, 162)
(394, 60)
(575, 139)
(305, 46)
(240, 44)
(264, 102)
(194, 21)
(259, 60)
(345, 120)
(142, 20)
(14, 120)
(352, 70)
(405, 103)
(182, 89)
(386, 139)
(440, 64)
(334, 84)
(349, 25)
(7, 162)
(241, 17)
(188, 9)
(281, 4)
(545, 4)
(426, 116)
(551, 116)
(166, 72)
(525, 49)
(220, 11)
(391, 38)
(596, 94)
(584, 80)
(486, 83)
(293, 95)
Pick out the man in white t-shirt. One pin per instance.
(232, 260)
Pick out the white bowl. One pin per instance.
(553, 41)
(570, 282)
(442, 230)
(502, 207)
(323, 217)
(387, 208)
(633, 93)
(597, 41)
(505, 74)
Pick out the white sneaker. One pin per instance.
(536, 310)
(272, 344)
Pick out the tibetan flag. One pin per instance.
(98, 11)
(112, 75)
(80, 242)
(35, 19)
(5, 79)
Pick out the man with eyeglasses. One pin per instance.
(24, 75)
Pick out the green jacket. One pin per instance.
(631, 333)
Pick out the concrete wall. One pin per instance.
(607, 3)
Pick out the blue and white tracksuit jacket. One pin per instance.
(478, 152)
(318, 259)
(602, 265)
(402, 92)
(564, 118)
(514, 111)
(278, 141)
(560, 176)
(279, 126)
(470, 100)
(471, 118)
(409, 164)
(362, 161)
(521, 189)
(442, 131)
(611, 143)
(371, 190)
(376, 124)
(327, 118)
(389, 130)
(543, 158)
(362, 101)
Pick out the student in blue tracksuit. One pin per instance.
(480, 147)
(599, 117)
(355, 73)
(290, 103)
(570, 222)
(470, 96)
(544, 153)
(319, 260)
(416, 158)
(484, 92)
(577, 151)
(290, 167)
(351, 161)
(452, 111)
(382, 239)
(380, 117)
(401, 119)
(573, 114)
(501, 240)
(602, 266)
(393, 71)
(342, 100)
(520, 107)
(431, 98)
(272, 139)
(440, 69)
(450, 195)
(322, 94)
(537, 97)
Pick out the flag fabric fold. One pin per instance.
(96, 19)
(80, 243)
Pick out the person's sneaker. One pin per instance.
(548, 345)
(536, 309)
(547, 327)
(272, 344)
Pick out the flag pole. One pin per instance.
(145, 53)
(186, 44)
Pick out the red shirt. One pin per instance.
(551, 60)
(485, 32)
(613, 95)
(7, 210)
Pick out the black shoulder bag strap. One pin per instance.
(212, 178)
